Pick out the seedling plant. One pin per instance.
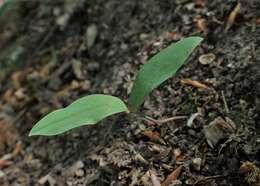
(91, 109)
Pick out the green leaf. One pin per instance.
(161, 67)
(7, 5)
(84, 111)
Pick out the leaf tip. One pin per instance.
(31, 133)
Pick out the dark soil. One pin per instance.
(53, 52)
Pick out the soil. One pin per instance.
(54, 52)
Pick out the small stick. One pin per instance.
(225, 102)
(155, 121)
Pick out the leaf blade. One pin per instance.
(84, 111)
(161, 66)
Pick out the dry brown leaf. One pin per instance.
(232, 16)
(194, 83)
(172, 177)
(153, 136)
(5, 163)
(150, 134)
(202, 25)
(179, 156)
(174, 35)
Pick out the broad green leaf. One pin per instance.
(84, 111)
(161, 67)
(7, 5)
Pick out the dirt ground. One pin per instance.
(53, 52)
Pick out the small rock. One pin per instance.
(206, 59)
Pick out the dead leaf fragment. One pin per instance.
(5, 163)
(174, 35)
(218, 129)
(206, 59)
(179, 156)
(202, 25)
(232, 17)
(194, 83)
(153, 136)
(172, 177)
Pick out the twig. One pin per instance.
(155, 121)
(208, 178)
(225, 102)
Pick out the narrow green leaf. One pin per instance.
(161, 67)
(84, 111)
